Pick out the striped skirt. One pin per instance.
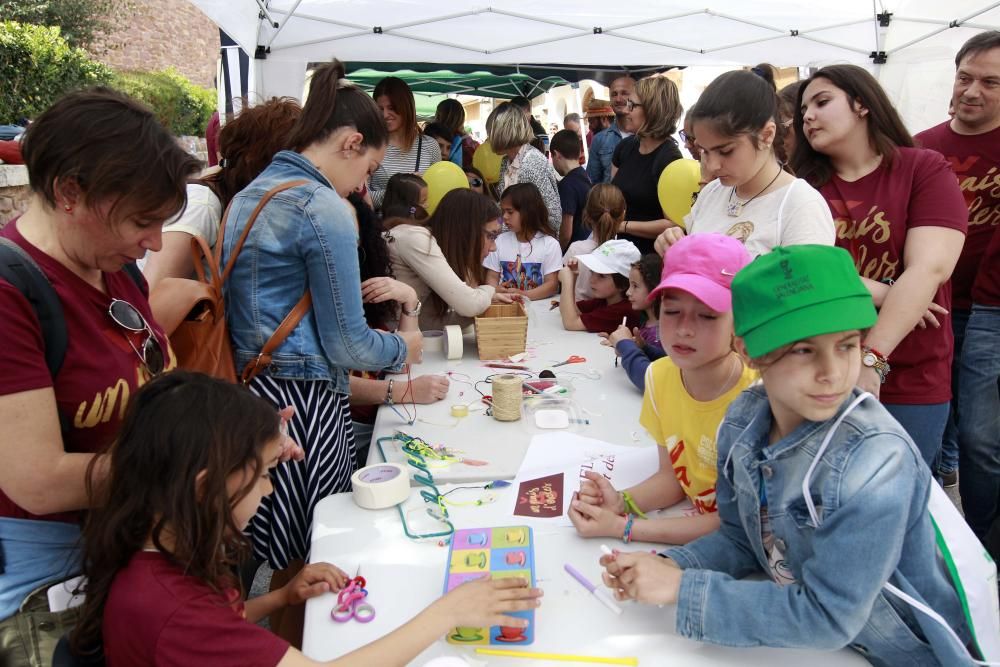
(282, 528)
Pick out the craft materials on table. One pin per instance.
(507, 396)
(433, 340)
(507, 551)
(352, 602)
(380, 486)
(415, 449)
(453, 345)
(598, 592)
(541, 497)
(574, 359)
(561, 657)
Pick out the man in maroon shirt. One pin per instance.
(971, 143)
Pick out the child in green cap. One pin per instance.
(818, 487)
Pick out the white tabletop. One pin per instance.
(601, 393)
(404, 575)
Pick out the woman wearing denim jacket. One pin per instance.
(800, 312)
(306, 239)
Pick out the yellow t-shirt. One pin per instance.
(687, 428)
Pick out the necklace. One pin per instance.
(735, 207)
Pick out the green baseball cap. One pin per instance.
(796, 292)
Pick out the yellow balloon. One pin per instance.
(488, 162)
(443, 177)
(676, 188)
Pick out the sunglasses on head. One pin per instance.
(128, 317)
(475, 182)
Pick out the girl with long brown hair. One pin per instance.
(527, 257)
(442, 258)
(190, 468)
(900, 213)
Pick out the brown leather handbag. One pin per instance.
(193, 314)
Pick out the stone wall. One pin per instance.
(161, 34)
(14, 192)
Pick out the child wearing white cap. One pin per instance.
(609, 266)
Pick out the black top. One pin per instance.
(637, 178)
(573, 190)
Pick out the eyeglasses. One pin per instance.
(632, 105)
(475, 182)
(128, 317)
(684, 136)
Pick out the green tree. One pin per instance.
(82, 22)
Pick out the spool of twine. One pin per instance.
(507, 398)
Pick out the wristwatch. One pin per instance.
(412, 313)
(872, 358)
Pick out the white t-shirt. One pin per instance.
(575, 249)
(791, 215)
(524, 266)
(201, 217)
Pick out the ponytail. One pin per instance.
(333, 104)
(604, 211)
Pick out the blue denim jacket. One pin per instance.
(870, 491)
(305, 238)
(602, 149)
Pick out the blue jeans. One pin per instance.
(979, 426)
(948, 460)
(924, 424)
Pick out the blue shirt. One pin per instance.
(573, 190)
(602, 148)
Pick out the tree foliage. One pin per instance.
(82, 22)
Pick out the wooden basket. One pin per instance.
(502, 330)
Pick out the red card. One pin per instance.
(542, 497)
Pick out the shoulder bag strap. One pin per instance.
(286, 327)
(420, 147)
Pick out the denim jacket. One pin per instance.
(305, 238)
(602, 149)
(870, 491)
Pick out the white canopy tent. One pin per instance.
(909, 44)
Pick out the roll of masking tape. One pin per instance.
(453, 342)
(433, 340)
(380, 486)
(460, 410)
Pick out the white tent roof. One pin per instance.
(919, 41)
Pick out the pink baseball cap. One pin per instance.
(703, 265)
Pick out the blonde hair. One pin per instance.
(510, 129)
(604, 211)
(661, 104)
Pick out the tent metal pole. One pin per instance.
(535, 19)
(267, 14)
(711, 12)
(746, 43)
(649, 21)
(284, 23)
(835, 25)
(323, 19)
(977, 13)
(536, 43)
(919, 39)
(653, 42)
(834, 44)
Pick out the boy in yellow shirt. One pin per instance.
(686, 397)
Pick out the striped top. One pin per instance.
(398, 162)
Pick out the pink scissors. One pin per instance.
(572, 360)
(350, 602)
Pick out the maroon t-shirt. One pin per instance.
(986, 291)
(100, 370)
(599, 317)
(975, 159)
(872, 216)
(157, 615)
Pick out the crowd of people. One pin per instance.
(817, 343)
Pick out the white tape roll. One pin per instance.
(380, 486)
(453, 342)
(433, 340)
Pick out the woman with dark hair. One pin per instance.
(900, 213)
(511, 136)
(451, 114)
(304, 245)
(104, 176)
(442, 258)
(654, 107)
(408, 149)
(247, 144)
(788, 97)
(751, 197)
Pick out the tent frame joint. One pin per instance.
(598, 30)
(884, 18)
(261, 52)
(377, 30)
(878, 57)
(793, 33)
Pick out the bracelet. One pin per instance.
(627, 535)
(630, 505)
(388, 393)
(412, 313)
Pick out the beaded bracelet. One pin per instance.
(627, 535)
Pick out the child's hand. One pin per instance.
(618, 335)
(597, 490)
(566, 274)
(642, 576)
(593, 521)
(670, 236)
(314, 579)
(290, 450)
(573, 264)
(485, 602)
